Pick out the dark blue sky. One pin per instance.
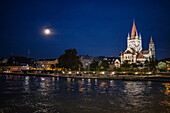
(93, 27)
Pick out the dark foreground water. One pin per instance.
(19, 94)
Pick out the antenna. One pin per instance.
(28, 52)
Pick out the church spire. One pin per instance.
(140, 36)
(134, 30)
(152, 48)
(151, 41)
(128, 36)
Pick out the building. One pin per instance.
(99, 58)
(86, 60)
(134, 52)
(17, 63)
(3, 61)
(46, 63)
(20, 61)
(113, 62)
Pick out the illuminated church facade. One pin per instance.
(134, 52)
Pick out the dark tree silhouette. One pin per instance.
(69, 60)
(104, 64)
(94, 65)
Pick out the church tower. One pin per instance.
(152, 49)
(134, 52)
(134, 41)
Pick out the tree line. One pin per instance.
(71, 61)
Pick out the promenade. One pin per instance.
(161, 77)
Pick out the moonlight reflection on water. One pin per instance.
(66, 95)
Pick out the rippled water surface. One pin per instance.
(19, 94)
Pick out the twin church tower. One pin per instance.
(134, 52)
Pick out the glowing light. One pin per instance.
(42, 79)
(103, 84)
(82, 79)
(113, 73)
(167, 86)
(68, 80)
(47, 31)
(103, 72)
(149, 73)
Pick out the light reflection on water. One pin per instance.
(66, 95)
(166, 100)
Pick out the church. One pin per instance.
(134, 52)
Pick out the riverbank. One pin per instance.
(155, 77)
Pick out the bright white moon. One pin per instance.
(47, 32)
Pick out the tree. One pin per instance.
(125, 65)
(69, 60)
(52, 66)
(94, 65)
(151, 64)
(161, 66)
(104, 65)
(134, 65)
(59, 65)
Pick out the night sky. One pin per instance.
(93, 27)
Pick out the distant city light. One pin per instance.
(103, 72)
(113, 73)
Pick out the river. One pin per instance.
(24, 94)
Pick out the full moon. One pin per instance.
(47, 31)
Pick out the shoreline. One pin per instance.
(155, 78)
